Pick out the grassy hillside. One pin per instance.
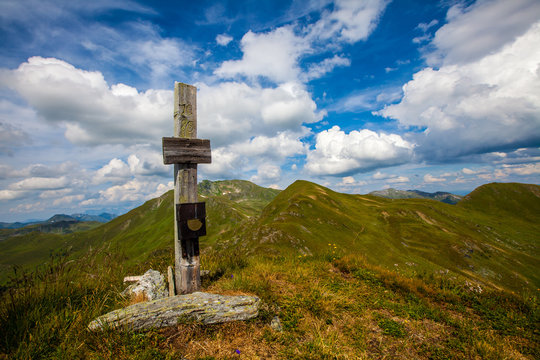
(510, 201)
(330, 307)
(240, 192)
(490, 238)
(142, 232)
(349, 276)
(411, 236)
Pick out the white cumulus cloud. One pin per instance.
(273, 55)
(236, 159)
(481, 29)
(468, 171)
(389, 178)
(428, 178)
(487, 105)
(40, 183)
(349, 21)
(132, 191)
(283, 145)
(398, 179)
(68, 199)
(28, 186)
(267, 173)
(234, 112)
(338, 153)
(115, 171)
(92, 111)
(327, 65)
(525, 169)
(223, 39)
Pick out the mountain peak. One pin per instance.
(441, 196)
(505, 198)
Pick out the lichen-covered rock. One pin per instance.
(152, 285)
(276, 324)
(198, 307)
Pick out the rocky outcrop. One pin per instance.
(151, 286)
(198, 307)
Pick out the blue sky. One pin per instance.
(356, 95)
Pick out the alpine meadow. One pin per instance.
(349, 276)
(270, 179)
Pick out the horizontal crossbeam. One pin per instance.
(186, 151)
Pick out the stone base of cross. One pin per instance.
(185, 151)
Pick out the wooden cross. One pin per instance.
(185, 151)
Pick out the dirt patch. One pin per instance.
(126, 224)
(426, 219)
(221, 341)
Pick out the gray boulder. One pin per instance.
(152, 285)
(198, 307)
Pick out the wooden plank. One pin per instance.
(186, 151)
(170, 277)
(185, 111)
(186, 269)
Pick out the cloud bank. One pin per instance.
(337, 153)
(486, 105)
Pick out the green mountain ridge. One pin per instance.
(442, 196)
(142, 231)
(349, 276)
(411, 236)
(101, 218)
(512, 200)
(57, 227)
(487, 238)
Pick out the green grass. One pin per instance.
(392, 328)
(330, 309)
(413, 236)
(323, 262)
(142, 232)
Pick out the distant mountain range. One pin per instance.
(444, 197)
(490, 237)
(102, 218)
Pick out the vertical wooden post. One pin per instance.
(170, 277)
(186, 269)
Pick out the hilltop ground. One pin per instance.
(349, 276)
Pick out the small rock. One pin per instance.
(152, 285)
(205, 272)
(276, 324)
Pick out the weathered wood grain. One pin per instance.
(186, 151)
(185, 111)
(170, 278)
(186, 269)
